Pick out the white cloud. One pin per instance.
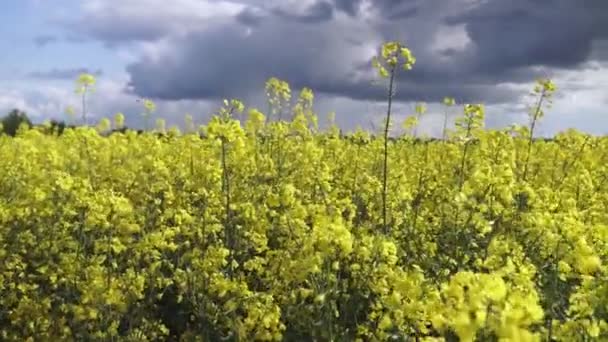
(49, 100)
(10, 99)
(183, 39)
(146, 20)
(450, 37)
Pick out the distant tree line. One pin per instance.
(13, 120)
(10, 123)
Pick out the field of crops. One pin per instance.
(275, 231)
(269, 229)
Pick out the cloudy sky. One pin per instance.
(187, 55)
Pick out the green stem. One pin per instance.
(530, 139)
(385, 166)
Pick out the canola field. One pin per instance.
(274, 231)
(270, 229)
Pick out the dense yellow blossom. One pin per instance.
(268, 231)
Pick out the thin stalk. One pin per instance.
(227, 225)
(84, 106)
(385, 166)
(530, 139)
(464, 157)
(445, 125)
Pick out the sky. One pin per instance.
(188, 55)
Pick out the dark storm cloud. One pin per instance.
(62, 74)
(399, 9)
(415, 91)
(599, 17)
(317, 12)
(250, 17)
(226, 63)
(521, 33)
(404, 13)
(388, 9)
(512, 41)
(351, 7)
(223, 62)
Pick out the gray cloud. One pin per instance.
(118, 30)
(511, 34)
(250, 16)
(317, 12)
(351, 7)
(222, 61)
(404, 13)
(329, 57)
(509, 42)
(399, 9)
(388, 9)
(131, 21)
(43, 40)
(501, 44)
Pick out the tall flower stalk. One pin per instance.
(84, 85)
(544, 89)
(149, 108)
(393, 56)
(448, 102)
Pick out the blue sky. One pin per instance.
(187, 55)
(25, 23)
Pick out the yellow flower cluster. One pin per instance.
(272, 231)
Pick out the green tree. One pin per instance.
(57, 127)
(13, 120)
